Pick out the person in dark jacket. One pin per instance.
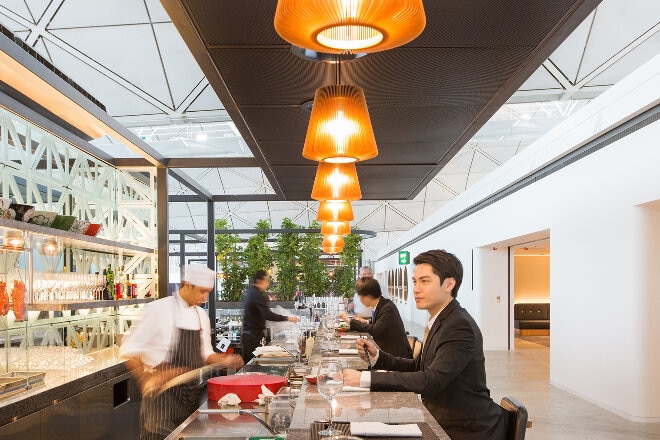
(450, 374)
(256, 313)
(386, 326)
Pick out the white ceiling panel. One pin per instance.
(16, 8)
(207, 100)
(156, 11)
(455, 182)
(130, 52)
(83, 13)
(614, 28)
(252, 207)
(37, 8)
(540, 80)
(482, 163)
(183, 73)
(114, 96)
(636, 56)
(461, 162)
(435, 191)
(500, 153)
(568, 56)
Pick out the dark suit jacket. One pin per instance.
(451, 377)
(387, 329)
(257, 312)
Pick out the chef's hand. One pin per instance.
(224, 360)
(293, 319)
(360, 344)
(344, 317)
(154, 380)
(352, 378)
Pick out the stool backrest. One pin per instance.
(517, 418)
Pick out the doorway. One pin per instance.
(530, 289)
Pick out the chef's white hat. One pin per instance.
(199, 275)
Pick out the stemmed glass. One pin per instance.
(330, 381)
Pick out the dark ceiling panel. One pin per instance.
(426, 99)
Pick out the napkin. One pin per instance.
(270, 351)
(262, 397)
(347, 388)
(229, 399)
(348, 351)
(379, 429)
(349, 337)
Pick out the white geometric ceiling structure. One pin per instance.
(129, 56)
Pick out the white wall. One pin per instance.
(605, 240)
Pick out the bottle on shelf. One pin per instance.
(120, 284)
(110, 282)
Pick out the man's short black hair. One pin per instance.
(259, 275)
(367, 286)
(444, 264)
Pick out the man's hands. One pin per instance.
(293, 319)
(344, 317)
(352, 377)
(223, 360)
(360, 344)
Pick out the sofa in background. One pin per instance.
(531, 319)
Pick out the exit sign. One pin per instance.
(404, 257)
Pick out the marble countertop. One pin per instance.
(61, 384)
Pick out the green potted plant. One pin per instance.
(286, 259)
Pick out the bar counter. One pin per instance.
(388, 407)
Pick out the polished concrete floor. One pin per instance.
(524, 373)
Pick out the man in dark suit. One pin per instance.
(450, 374)
(386, 327)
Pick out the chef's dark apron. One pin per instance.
(160, 415)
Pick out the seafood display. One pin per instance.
(4, 299)
(18, 300)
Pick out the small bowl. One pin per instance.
(43, 218)
(23, 212)
(311, 379)
(93, 229)
(63, 222)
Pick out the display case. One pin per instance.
(60, 312)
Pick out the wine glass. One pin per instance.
(330, 381)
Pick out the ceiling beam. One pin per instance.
(191, 184)
(212, 162)
(179, 198)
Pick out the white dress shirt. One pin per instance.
(153, 338)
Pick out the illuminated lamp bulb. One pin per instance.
(336, 181)
(339, 129)
(339, 26)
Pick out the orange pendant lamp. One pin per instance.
(339, 26)
(332, 250)
(335, 228)
(335, 211)
(336, 181)
(339, 127)
(333, 241)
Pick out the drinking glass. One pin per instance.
(330, 381)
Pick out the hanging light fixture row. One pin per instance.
(339, 127)
(336, 181)
(340, 26)
(335, 211)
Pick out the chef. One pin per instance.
(173, 337)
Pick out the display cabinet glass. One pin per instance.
(59, 311)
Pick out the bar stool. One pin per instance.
(518, 423)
